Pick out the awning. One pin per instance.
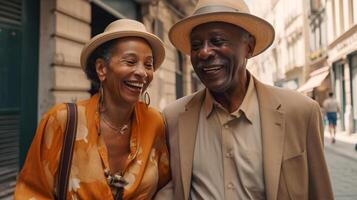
(314, 81)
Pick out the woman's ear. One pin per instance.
(101, 69)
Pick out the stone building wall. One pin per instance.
(64, 29)
(163, 88)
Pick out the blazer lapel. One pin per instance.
(272, 126)
(187, 127)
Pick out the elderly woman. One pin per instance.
(118, 137)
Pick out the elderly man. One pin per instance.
(239, 138)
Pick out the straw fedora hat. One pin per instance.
(235, 12)
(125, 28)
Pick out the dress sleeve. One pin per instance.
(37, 177)
(163, 163)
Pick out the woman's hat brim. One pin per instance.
(262, 30)
(156, 44)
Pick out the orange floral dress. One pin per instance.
(147, 171)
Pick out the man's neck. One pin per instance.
(233, 98)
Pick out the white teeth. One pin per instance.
(135, 84)
(211, 68)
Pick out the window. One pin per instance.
(179, 75)
(354, 11)
(158, 28)
(315, 6)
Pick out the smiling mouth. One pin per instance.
(212, 68)
(135, 84)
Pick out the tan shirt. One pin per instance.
(228, 159)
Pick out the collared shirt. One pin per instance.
(228, 158)
(148, 167)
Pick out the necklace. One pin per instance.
(116, 181)
(123, 130)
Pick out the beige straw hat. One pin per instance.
(125, 28)
(235, 12)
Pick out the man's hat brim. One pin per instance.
(262, 30)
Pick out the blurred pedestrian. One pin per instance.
(119, 149)
(331, 108)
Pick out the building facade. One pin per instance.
(40, 46)
(283, 63)
(342, 58)
(314, 52)
(317, 84)
(264, 66)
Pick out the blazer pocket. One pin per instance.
(295, 171)
(293, 155)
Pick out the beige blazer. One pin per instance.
(292, 138)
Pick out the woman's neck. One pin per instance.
(116, 112)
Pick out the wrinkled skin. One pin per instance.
(124, 77)
(130, 65)
(219, 53)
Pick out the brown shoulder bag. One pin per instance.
(67, 152)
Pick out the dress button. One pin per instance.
(229, 154)
(230, 186)
(226, 126)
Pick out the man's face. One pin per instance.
(218, 54)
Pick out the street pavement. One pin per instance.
(341, 159)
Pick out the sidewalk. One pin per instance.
(344, 145)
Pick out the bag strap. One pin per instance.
(67, 151)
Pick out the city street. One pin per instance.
(343, 171)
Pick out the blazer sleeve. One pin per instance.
(319, 180)
(36, 179)
(166, 193)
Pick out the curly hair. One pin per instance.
(104, 51)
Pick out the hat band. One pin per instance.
(215, 8)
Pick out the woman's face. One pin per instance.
(129, 70)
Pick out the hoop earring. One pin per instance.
(146, 98)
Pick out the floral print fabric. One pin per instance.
(147, 171)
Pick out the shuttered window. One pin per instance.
(10, 12)
(10, 80)
(9, 151)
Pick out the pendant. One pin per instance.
(124, 129)
(116, 180)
